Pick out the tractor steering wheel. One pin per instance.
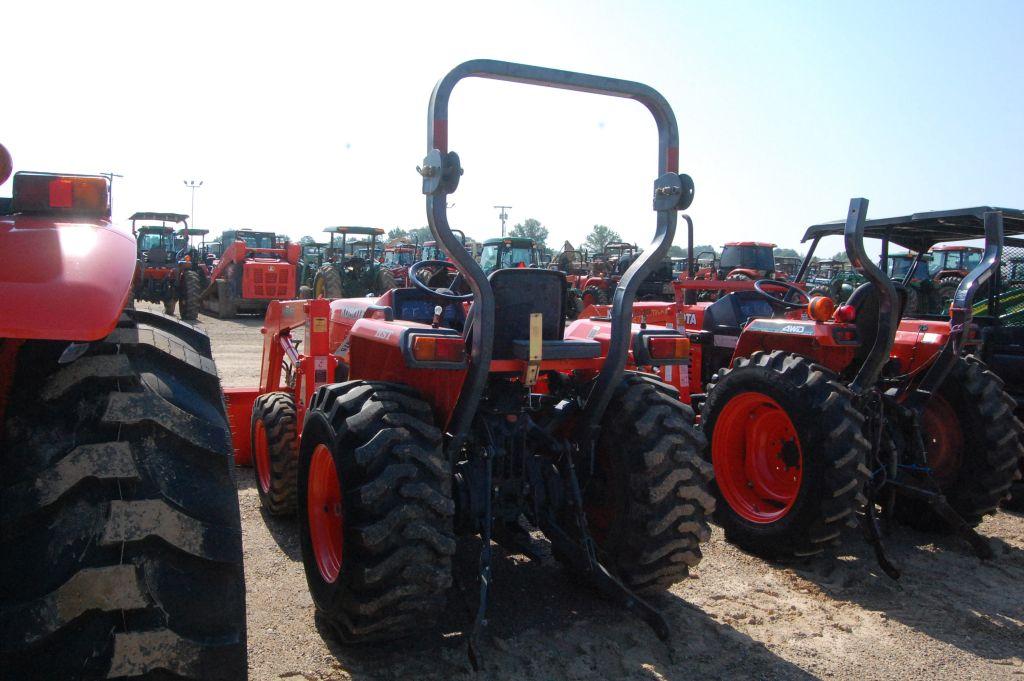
(442, 293)
(781, 300)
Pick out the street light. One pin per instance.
(193, 185)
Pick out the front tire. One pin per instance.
(119, 528)
(788, 454)
(375, 511)
(649, 501)
(188, 305)
(275, 450)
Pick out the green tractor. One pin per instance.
(502, 253)
(346, 271)
(310, 262)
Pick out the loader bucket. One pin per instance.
(239, 403)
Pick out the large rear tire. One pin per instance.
(385, 282)
(328, 282)
(275, 449)
(188, 304)
(945, 291)
(649, 501)
(974, 443)
(788, 454)
(119, 529)
(375, 510)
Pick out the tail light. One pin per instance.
(845, 314)
(79, 195)
(668, 347)
(821, 308)
(445, 349)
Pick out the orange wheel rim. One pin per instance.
(757, 458)
(943, 440)
(262, 458)
(326, 514)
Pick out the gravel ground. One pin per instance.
(951, 616)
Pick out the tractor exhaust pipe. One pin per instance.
(885, 335)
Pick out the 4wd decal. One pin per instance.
(769, 326)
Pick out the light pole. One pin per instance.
(503, 215)
(110, 175)
(193, 185)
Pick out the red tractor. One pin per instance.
(804, 402)
(254, 268)
(405, 422)
(397, 260)
(167, 271)
(950, 264)
(120, 536)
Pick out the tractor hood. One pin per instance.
(62, 280)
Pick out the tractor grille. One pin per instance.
(270, 282)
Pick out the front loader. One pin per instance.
(428, 413)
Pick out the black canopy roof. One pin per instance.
(921, 231)
(160, 217)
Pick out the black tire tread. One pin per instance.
(399, 535)
(655, 539)
(331, 279)
(841, 447)
(188, 304)
(118, 524)
(277, 410)
(993, 447)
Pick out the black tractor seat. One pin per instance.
(559, 349)
(865, 301)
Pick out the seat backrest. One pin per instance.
(519, 292)
(864, 300)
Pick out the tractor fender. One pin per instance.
(63, 280)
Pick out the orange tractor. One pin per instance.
(120, 535)
(816, 413)
(254, 268)
(424, 414)
(167, 270)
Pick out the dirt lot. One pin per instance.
(951, 616)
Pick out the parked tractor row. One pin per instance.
(393, 420)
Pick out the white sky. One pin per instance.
(301, 115)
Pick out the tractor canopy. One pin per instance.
(921, 231)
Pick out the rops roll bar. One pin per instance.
(885, 334)
(441, 172)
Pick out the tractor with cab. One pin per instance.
(425, 414)
(120, 534)
(253, 269)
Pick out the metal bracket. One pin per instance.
(440, 174)
(673, 192)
